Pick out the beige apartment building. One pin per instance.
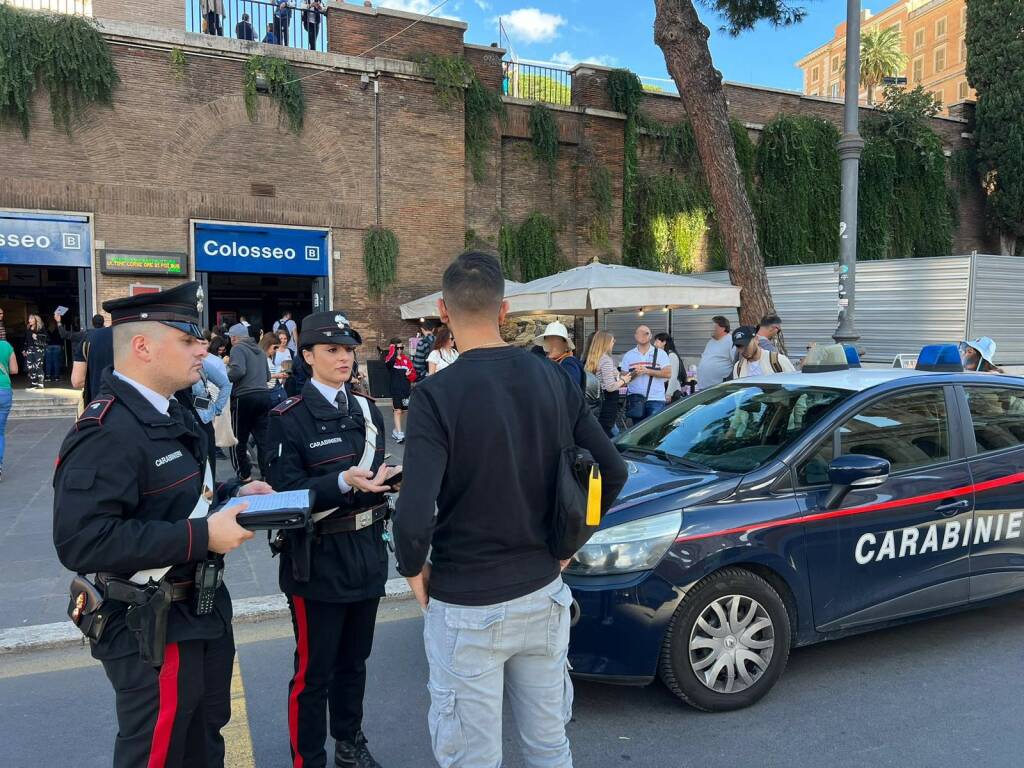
(933, 40)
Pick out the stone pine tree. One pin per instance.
(683, 39)
(995, 69)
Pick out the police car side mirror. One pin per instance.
(854, 471)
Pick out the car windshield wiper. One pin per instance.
(670, 458)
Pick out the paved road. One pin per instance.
(944, 692)
(33, 584)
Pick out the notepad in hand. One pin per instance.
(289, 509)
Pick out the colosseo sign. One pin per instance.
(260, 248)
(45, 239)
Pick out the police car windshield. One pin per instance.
(733, 427)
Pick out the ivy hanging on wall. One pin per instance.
(281, 84)
(797, 206)
(625, 92)
(530, 249)
(600, 187)
(544, 135)
(380, 258)
(178, 63)
(455, 80)
(66, 54)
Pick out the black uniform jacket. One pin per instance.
(311, 443)
(127, 478)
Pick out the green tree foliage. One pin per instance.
(380, 259)
(283, 86)
(65, 54)
(798, 202)
(540, 88)
(530, 249)
(881, 56)
(995, 69)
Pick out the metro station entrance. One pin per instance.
(45, 265)
(260, 271)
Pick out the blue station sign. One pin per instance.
(260, 248)
(45, 239)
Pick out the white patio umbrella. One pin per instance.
(426, 306)
(596, 286)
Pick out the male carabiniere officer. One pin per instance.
(332, 441)
(132, 490)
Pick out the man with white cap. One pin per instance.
(559, 348)
(979, 355)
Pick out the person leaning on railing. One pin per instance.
(311, 14)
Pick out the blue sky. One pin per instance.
(620, 33)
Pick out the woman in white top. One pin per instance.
(283, 354)
(665, 343)
(444, 353)
(269, 345)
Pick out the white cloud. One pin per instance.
(530, 25)
(483, 5)
(420, 7)
(568, 60)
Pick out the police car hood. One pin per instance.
(653, 486)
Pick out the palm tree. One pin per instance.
(881, 56)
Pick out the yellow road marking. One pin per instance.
(237, 737)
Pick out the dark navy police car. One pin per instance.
(774, 512)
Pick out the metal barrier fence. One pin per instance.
(70, 7)
(536, 82)
(287, 25)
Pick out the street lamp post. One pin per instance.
(850, 147)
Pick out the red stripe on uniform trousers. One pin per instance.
(299, 681)
(893, 504)
(168, 682)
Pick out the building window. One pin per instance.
(919, 38)
(938, 97)
(964, 88)
(940, 59)
(963, 50)
(815, 74)
(835, 64)
(963, 18)
(940, 29)
(835, 90)
(918, 71)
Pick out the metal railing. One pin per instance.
(262, 19)
(70, 7)
(537, 82)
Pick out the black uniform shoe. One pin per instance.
(354, 754)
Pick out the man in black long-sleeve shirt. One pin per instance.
(483, 444)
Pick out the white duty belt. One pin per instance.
(369, 449)
(201, 509)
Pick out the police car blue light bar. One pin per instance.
(852, 358)
(940, 358)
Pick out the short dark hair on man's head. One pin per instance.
(98, 321)
(769, 320)
(473, 284)
(722, 322)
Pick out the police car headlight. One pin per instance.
(637, 545)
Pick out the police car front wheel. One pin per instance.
(728, 641)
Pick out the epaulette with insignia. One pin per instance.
(94, 412)
(291, 402)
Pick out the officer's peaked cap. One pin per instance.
(178, 307)
(328, 328)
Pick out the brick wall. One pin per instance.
(355, 29)
(486, 62)
(161, 13)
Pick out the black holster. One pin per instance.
(300, 549)
(148, 607)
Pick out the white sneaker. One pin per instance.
(396, 435)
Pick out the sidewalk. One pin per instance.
(33, 584)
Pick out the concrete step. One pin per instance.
(45, 403)
(44, 413)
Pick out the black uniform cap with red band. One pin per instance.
(178, 307)
(328, 328)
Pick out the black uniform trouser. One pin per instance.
(171, 716)
(332, 643)
(251, 414)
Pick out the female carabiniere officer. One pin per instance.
(132, 489)
(331, 441)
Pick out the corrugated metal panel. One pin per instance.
(902, 305)
(622, 325)
(996, 305)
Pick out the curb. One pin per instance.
(64, 634)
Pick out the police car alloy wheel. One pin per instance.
(728, 641)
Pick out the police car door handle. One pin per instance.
(950, 508)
